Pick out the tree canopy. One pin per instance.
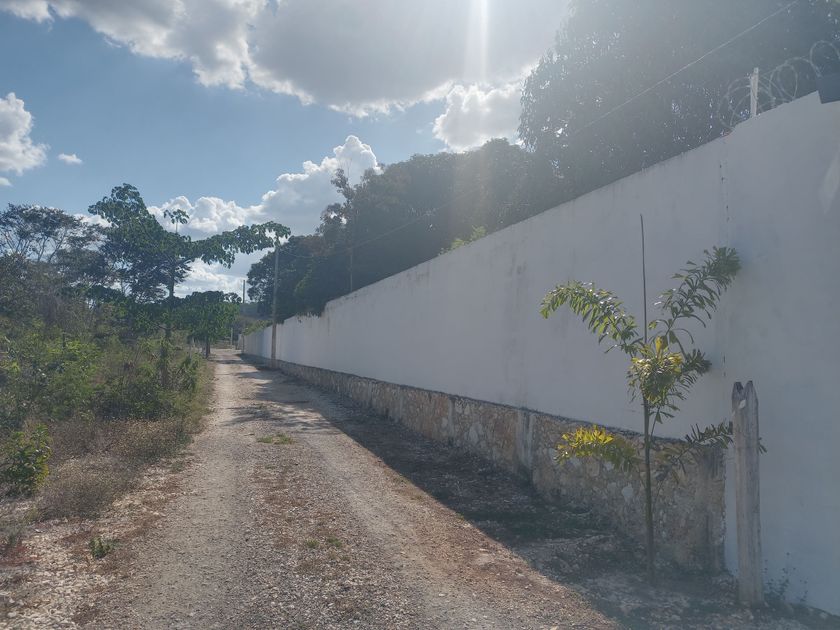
(588, 106)
(151, 260)
(399, 216)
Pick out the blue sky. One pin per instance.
(215, 105)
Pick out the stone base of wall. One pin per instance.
(688, 514)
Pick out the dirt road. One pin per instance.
(287, 521)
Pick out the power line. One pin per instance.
(685, 67)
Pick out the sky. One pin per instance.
(240, 111)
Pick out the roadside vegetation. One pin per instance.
(99, 374)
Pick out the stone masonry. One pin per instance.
(688, 514)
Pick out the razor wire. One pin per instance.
(788, 81)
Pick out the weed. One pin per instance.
(335, 542)
(100, 547)
(312, 544)
(279, 438)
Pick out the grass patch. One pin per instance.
(278, 438)
(334, 542)
(312, 544)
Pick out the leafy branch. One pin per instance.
(601, 311)
(598, 443)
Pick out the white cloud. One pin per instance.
(5, 182)
(473, 115)
(209, 215)
(204, 277)
(70, 158)
(296, 201)
(211, 35)
(298, 198)
(353, 56)
(27, 9)
(18, 152)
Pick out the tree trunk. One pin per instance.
(650, 549)
(207, 347)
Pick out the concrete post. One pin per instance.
(747, 506)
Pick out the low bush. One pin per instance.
(25, 460)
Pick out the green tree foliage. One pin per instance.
(208, 315)
(151, 260)
(663, 368)
(612, 51)
(399, 216)
(26, 456)
(83, 311)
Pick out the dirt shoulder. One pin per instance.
(296, 510)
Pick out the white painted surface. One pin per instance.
(467, 322)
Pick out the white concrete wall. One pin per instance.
(467, 322)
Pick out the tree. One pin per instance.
(401, 215)
(208, 315)
(663, 368)
(587, 107)
(38, 233)
(44, 254)
(151, 261)
(297, 255)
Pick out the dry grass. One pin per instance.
(147, 442)
(95, 461)
(84, 487)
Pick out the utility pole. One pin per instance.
(243, 293)
(274, 307)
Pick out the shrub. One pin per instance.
(663, 368)
(46, 377)
(26, 457)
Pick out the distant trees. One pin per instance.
(610, 52)
(400, 216)
(207, 315)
